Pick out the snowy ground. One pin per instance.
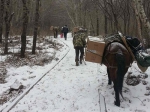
(70, 88)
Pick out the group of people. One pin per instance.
(79, 41)
(64, 31)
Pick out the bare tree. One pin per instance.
(126, 16)
(112, 10)
(71, 9)
(137, 20)
(100, 16)
(8, 19)
(1, 18)
(146, 5)
(97, 20)
(142, 14)
(143, 20)
(76, 10)
(36, 25)
(24, 29)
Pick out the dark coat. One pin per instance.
(65, 29)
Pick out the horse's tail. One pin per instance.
(120, 71)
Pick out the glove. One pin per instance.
(85, 46)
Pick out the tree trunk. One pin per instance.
(144, 21)
(142, 15)
(7, 25)
(97, 25)
(105, 26)
(128, 18)
(1, 18)
(125, 25)
(137, 19)
(128, 24)
(36, 25)
(116, 23)
(80, 14)
(111, 26)
(72, 18)
(92, 26)
(84, 19)
(24, 28)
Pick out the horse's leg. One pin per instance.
(109, 79)
(118, 84)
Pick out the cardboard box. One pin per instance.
(95, 50)
(91, 57)
(96, 46)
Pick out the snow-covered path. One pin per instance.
(67, 88)
(70, 88)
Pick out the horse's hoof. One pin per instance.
(117, 103)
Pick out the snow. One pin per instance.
(60, 86)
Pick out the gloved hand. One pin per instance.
(85, 46)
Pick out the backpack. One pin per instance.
(142, 58)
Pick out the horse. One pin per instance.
(117, 59)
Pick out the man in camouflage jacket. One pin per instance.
(79, 43)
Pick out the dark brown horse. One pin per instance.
(117, 60)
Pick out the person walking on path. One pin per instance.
(61, 35)
(55, 31)
(65, 31)
(79, 43)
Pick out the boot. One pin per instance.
(77, 63)
(81, 60)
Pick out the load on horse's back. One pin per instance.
(76, 29)
(117, 57)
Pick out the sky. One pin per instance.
(61, 86)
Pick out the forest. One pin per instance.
(101, 17)
(29, 52)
